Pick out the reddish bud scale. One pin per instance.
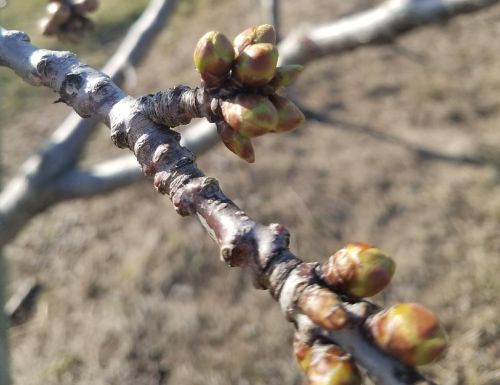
(286, 75)
(329, 365)
(262, 34)
(323, 307)
(409, 332)
(213, 58)
(359, 270)
(302, 351)
(250, 114)
(256, 64)
(237, 143)
(289, 115)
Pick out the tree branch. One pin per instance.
(32, 190)
(100, 179)
(114, 174)
(379, 25)
(138, 39)
(243, 242)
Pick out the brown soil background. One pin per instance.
(137, 295)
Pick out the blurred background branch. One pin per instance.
(32, 190)
(271, 15)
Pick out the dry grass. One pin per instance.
(138, 296)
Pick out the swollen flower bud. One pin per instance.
(250, 114)
(213, 58)
(59, 13)
(262, 34)
(289, 115)
(256, 64)
(236, 143)
(359, 269)
(286, 75)
(323, 307)
(409, 332)
(329, 365)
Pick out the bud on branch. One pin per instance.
(243, 78)
(320, 301)
(67, 19)
(409, 332)
(325, 364)
(358, 270)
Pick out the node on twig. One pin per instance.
(244, 76)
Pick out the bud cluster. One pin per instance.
(67, 19)
(409, 332)
(255, 104)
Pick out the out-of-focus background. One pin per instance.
(137, 295)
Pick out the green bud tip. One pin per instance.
(286, 75)
(359, 270)
(256, 64)
(213, 58)
(289, 115)
(409, 332)
(262, 34)
(237, 143)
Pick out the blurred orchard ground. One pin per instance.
(137, 295)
